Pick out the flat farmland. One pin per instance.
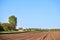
(32, 36)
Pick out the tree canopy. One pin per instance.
(13, 21)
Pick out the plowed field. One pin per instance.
(32, 36)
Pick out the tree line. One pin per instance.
(11, 25)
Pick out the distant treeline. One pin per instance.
(41, 30)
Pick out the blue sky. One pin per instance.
(32, 13)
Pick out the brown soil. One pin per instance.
(32, 36)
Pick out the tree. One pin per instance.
(1, 28)
(5, 26)
(13, 21)
(11, 27)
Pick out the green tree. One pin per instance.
(5, 26)
(1, 28)
(11, 27)
(13, 21)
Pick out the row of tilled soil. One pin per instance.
(22, 36)
(32, 36)
(35, 36)
(13, 36)
(52, 36)
(56, 35)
